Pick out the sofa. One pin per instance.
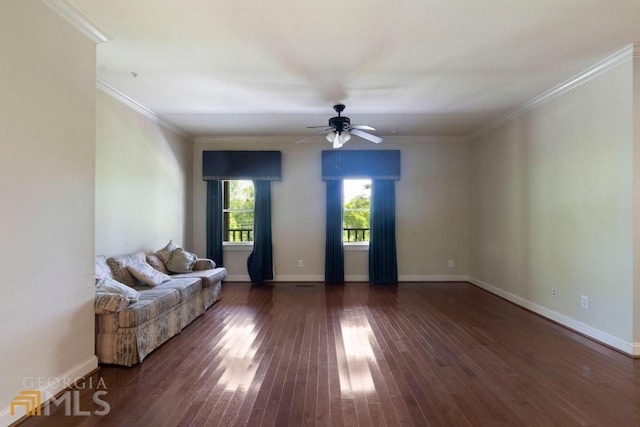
(131, 324)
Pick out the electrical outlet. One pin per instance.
(450, 263)
(300, 263)
(554, 291)
(584, 301)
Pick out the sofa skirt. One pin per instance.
(130, 345)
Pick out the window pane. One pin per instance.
(239, 195)
(240, 226)
(238, 211)
(357, 203)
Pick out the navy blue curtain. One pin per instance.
(334, 250)
(383, 266)
(214, 221)
(260, 262)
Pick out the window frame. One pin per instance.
(246, 245)
(355, 246)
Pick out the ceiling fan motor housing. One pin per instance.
(339, 123)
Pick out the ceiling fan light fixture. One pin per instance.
(331, 136)
(338, 139)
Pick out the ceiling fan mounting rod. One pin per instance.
(339, 108)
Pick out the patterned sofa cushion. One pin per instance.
(187, 287)
(118, 265)
(152, 303)
(209, 277)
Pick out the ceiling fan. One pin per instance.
(340, 129)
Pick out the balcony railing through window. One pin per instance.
(356, 235)
(240, 235)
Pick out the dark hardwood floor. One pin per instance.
(424, 354)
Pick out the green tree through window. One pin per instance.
(357, 204)
(238, 196)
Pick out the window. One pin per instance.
(238, 200)
(356, 207)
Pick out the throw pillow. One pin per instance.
(181, 261)
(112, 286)
(118, 265)
(102, 270)
(147, 274)
(155, 262)
(204, 264)
(165, 253)
(107, 302)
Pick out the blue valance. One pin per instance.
(253, 165)
(374, 164)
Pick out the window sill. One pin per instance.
(356, 246)
(237, 246)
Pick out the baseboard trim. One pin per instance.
(433, 278)
(56, 385)
(351, 278)
(629, 348)
(636, 350)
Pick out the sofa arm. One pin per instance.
(204, 264)
(107, 302)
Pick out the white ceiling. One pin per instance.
(406, 67)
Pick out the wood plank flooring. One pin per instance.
(423, 354)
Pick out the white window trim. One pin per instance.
(237, 246)
(355, 246)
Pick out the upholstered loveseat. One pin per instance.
(127, 331)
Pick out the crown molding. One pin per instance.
(293, 139)
(425, 138)
(620, 57)
(245, 139)
(68, 11)
(135, 105)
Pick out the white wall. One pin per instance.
(431, 209)
(143, 181)
(551, 205)
(636, 199)
(47, 135)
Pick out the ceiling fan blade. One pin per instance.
(314, 134)
(363, 127)
(365, 135)
(314, 127)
